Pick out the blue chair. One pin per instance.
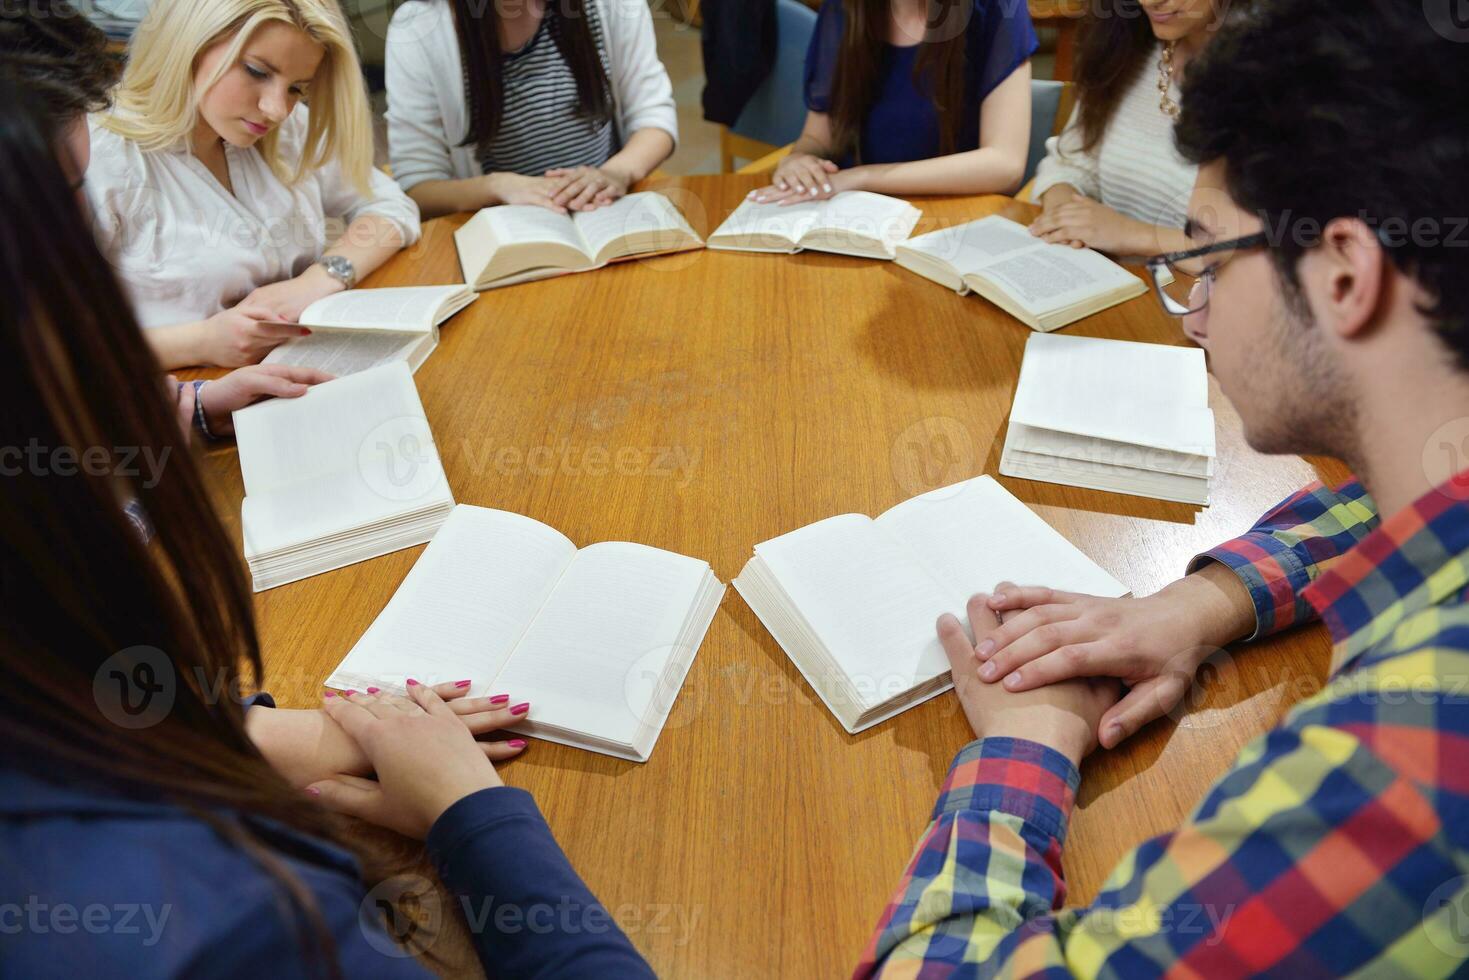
(1048, 101)
(776, 112)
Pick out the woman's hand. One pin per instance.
(423, 751)
(1063, 716)
(183, 404)
(288, 299)
(516, 189)
(242, 335)
(1154, 645)
(587, 188)
(803, 177)
(248, 385)
(1083, 223)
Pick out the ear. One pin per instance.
(1349, 269)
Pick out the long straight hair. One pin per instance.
(81, 593)
(938, 71)
(477, 23)
(157, 104)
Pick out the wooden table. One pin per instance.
(738, 397)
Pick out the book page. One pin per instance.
(1054, 277)
(770, 222)
(1142, 394)
(975, 535)
(974, 244)
(873, 606)
(852, 220)
(635, 214)
(340, 353)
(400, 309)
(522, 224)
(465, 604)
(614, 620)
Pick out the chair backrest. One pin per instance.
(1045, 109)
(776, 112)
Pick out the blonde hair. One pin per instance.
(156, 104)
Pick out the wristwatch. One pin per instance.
(340, 268)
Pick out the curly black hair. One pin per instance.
(51, 51)
(1321, 110)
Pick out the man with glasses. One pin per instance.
(1330, 287)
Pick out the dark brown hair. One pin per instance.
(938, 70)
(81, 592)
(54, 52)
(477, 23)
(1114, 41)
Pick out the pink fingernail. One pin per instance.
(998, 599)
(500, 699)
(985, 648)
(516, 743)
(461, 683)
(373, 690)
(988, 671)
(331, 694)
(312, 791)
(1013, 681)
(348, 693)
(520, 708)
(412, 682)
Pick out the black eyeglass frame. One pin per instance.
(1159, 264)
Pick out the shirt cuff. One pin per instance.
(1012, 775)
(1272, 573)
(259, 700)
(201, 421)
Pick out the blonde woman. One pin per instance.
(212, 180)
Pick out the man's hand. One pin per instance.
(1155, 645)
(1062, 716)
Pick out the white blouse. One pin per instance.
(1135, 169)
(186, 248)
(427, 110)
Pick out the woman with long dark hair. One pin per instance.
(557, 103)
(1113, 180)
(153, 823)
(912, 97)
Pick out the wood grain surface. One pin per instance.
(709, 401)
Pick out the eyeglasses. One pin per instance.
(1165, 272)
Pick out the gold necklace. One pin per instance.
(1166, 102)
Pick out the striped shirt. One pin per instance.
(541, 126)
(1339, 842)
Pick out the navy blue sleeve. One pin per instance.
(1005, 40)
(821, 56)
(531, 915)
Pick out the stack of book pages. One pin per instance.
(1113, 415)
(346, 472)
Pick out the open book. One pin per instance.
(597, 640)
(512, 243)
(346, 472)
(361, 328)
(1113, 415)
(1044, 286)
(869, 226)
(854, 601)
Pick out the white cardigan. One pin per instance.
(427, 109)
(1135, 169)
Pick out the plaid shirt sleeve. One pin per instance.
(1290, 546)
(1312, 857)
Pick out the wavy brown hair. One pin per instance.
(939, 69)
(81, 591)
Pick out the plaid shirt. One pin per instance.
(1338, 843)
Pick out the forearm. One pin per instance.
(440, 197)
(1218, 601)
(987, 170)
(178, 346)
(368, 242)
(1057, 196)
(303, 746)
(644, 153)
